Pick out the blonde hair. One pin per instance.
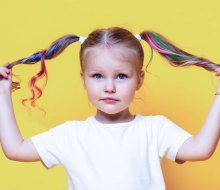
(111, 37)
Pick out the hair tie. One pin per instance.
(82, 39)
(138, 37)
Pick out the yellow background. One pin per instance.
(182, 94)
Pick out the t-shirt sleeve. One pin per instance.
(170, 138)
(50, 145)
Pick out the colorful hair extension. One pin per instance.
(54, 50)
(174, 55)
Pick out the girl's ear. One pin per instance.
(140, 79)
(82, 78)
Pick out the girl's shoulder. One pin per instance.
(68, 125)
(153, 117)
(156, 121)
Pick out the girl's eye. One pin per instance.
(97, 76)
(122, 76)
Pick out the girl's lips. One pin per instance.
(109, 100)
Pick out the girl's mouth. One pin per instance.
(109, 100)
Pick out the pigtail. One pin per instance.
(54, 50)
(173, 54)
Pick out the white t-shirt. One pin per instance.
(122, 156)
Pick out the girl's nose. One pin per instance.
(110, 86)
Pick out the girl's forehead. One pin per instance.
(109, 57)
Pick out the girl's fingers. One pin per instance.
(217, 71)
(5, 74)
(5, 69)
(217, 74)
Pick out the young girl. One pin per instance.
(113, 150)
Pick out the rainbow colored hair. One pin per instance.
(173, 54)
(54, 50)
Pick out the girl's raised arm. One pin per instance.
(203, 145)
(13, 144)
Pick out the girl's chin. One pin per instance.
(111, 111)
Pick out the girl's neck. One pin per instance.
(121, 117)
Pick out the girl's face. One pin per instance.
(110, 78)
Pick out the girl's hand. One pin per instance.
(217, 72)
(5, 82)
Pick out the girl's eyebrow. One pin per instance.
(106, 69)
(94, 70)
